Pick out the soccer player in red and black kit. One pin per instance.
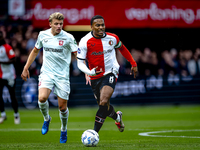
(98, 48)
(7, 78)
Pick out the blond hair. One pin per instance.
(56, 15)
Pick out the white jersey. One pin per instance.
(56, 52)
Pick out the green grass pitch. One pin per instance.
(146, 127)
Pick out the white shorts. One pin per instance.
(61, 85)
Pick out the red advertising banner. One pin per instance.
(118, 14)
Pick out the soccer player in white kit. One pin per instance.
(57, 48)
(98, 48)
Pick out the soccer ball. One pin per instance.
(90, 138)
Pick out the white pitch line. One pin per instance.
(70, 129)
(32, 129)
(155, 132)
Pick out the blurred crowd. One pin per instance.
(184, 62)
(170, 61)
(22, 41)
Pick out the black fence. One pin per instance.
(171, 89)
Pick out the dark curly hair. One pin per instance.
(95, 17)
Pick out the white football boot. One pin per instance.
(120, 124)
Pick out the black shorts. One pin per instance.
(4, 82)
(97, 84)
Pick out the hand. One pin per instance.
(134, 70)
(87, 78)
(98, 72)
(94, 71)
(25, 74)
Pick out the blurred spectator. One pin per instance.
(188, 54)
(173, 52)
(184, 57)
(19, 37)
(182, 61)
(31, 42)
(193, 64)
(9, 32)
(168, 63)
(14, 44)
(154, 63)
(149, 63)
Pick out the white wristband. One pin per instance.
(82, 66)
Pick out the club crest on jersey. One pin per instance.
(61, 43)
(110, 42)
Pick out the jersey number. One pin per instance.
(111, 79)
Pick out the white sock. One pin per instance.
(44, 108)
(3, 114)
(64, 119)
(118, 118)
(16, 115)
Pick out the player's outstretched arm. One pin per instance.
(25, 73)
(82, 66)
(124, 51)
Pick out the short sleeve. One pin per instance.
(73, 44)
(38, 44)
(9, 51)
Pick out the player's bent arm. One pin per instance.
(31, 58)
(11, 61)
(125, 52)
(82, 66)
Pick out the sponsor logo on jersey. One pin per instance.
(61, 39)
(53, 50)
(61, 43)
(45, 40)
(101, 53)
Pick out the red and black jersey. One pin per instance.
(7, 71)
(100, 52)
